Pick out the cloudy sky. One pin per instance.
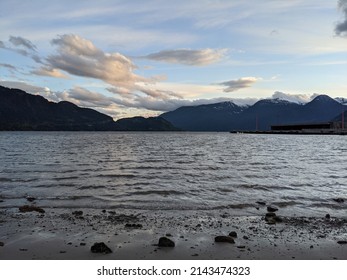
(127, 58)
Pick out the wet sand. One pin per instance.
(134, 234)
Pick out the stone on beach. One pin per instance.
(165, 242)
(225, 239)
(272, 209)
(233, 234)
(100, 248)
(31, 208)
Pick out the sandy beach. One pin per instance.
(134, 234)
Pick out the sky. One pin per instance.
(127, 58)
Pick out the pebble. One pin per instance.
(327, 216)
(2, 244)
(226, 239)
(233, 234)
(272, 209)
(165, 242)
(261, 203)
(30, 208)
(77, 213)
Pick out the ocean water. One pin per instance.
(179, 171)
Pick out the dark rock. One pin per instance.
(270, 215)
(272, 209)
(31, 208)
(2, 244)
(233, 234)
(339, 200)
(1, 200)
(278, 219)
(165, 242)
(225, 239)
(241, 247)
(327, 216)
(100, 248)
(342, 242)
(30, 198)
(261, 203)
(77, 213)
(83, 244)
(245, 237)
(168, 235)
(103, 211)
(133, 225)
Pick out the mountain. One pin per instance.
(23, 111)
(228, 116)
(144, 124)
(212, 117)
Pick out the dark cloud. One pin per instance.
(341, 27)
(241, 83)
(20, 41)
(188, 57)
(8, 66)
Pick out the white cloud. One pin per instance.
(51, 72)
(238, 84)
(296, 98)
(189, 57)
(24, 86)
(78, 56)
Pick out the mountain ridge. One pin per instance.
(259, 116)
(20, 110)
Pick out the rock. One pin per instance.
(272, 209)
(339, 200)
(270, 221)
(83, 244)
(241, 247)
(327, 216)
(261, 203)
(31, 208)
(245, 237)
(225, 239)
(278, 219)
(133, 225)
(233, 234)
(100, 248)
(77, 213)
(30, 198)
(1, 200)
(342, 242)
(2, 244)
(270, 215)
(165, 242)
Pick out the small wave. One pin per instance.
(127, 176)
(159, 192)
